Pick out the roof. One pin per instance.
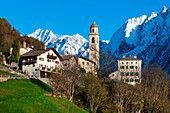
(94, 25)
(68, 57)
(129, 58)
(87, 59)
(37, 52)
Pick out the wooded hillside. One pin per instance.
(9, 33)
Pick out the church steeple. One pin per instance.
(94, 44)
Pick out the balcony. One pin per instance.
(51, 57)
(31, 61)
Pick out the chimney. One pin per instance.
(135, 56)
(45, 47)
(124, 56)
(24, 44)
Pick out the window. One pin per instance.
(87, 63)
(136, 67)
(126, 62)
(127, 74)
(35, 69)
(122, 62)
(131, 62)
(131, 80)
(48, 60)
(131, 67)
(123, 74)
(131, 74)
(93, 30)
(137, 74)
(93, 40)
(126, 67)
(82, 63)
(57, 62)
(121, 67)
(136, 62)
(33, 65)
(127, 80)
(42, 59)
(136, 80)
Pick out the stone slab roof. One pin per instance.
(87, 59)
(37, 52)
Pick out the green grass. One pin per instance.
(8, 73)
(27, 96)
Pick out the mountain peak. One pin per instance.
(133, 23)
(164, 9)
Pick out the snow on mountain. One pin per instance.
(106, 41)
(64, 44)
(145, 37)
(46, 36)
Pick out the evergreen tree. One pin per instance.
(16, 51)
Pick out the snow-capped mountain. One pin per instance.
(146, 37)
(64, 44)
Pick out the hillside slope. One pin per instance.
(18, 96)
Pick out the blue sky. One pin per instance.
(75, 16)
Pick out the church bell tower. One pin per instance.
(94, 44)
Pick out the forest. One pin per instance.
(9, 33)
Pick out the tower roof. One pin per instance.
(94, 25)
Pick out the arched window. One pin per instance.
(93, 30)
(93, 40)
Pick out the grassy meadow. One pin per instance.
(28, 96)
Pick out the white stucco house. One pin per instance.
(39, 63)
(129, 70)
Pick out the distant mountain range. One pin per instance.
(146, 37)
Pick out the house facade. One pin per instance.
(87, 64)
(39, 63)
(129, 70)
(69, 62)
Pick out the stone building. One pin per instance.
(87, 64)
(40, 62)
(129, 70)
(94, 44)
(69, 62)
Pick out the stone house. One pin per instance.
(129, 70)
(69, 62)
(87, 64)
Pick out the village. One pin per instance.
(39, 63)
(80, 80)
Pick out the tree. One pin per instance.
(96, 92)
(154, 89)
(4, 46)
(16, 51)
(107, 63)
(67, 79)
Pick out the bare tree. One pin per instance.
(96, 93)
(154, 89)
(70, 78)
(107, 63)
